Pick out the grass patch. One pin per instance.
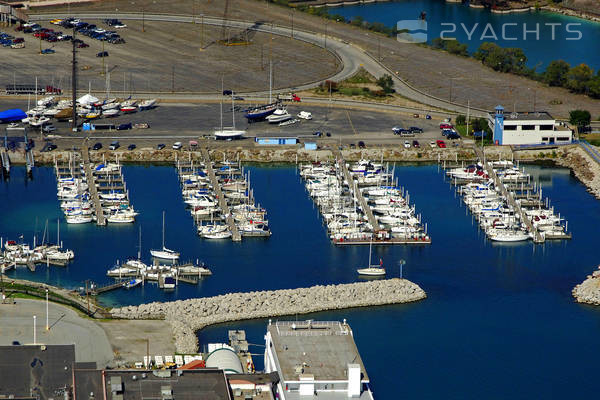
(361, 76)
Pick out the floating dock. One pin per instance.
(87, 167)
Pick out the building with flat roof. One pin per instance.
(315, 359)
(527, 128)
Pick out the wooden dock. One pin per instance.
(85, 154)
(235, 233)
(537, 237)
(356, 192)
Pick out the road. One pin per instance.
(351, 56)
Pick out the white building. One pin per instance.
(314, 360)
(519, 128)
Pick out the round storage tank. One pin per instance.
(225, 359)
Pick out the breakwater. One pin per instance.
(188, 316)
(589, 290)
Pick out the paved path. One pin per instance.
(351, 56)
(66, 327)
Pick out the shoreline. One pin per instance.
(186, 317)
(588, 291)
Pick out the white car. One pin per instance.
(177, 146)
(432, 145)
(305, 115)
(406, 144)
(120, 26)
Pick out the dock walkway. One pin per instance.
(85, 155)
(235, 233)
(537, 237)
(356, 192)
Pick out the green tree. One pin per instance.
(580, 117)
(556, 73)
(386, 83)
(594, 88)
(455, 47)
(579, 77)
(357, 20)
(461, 120)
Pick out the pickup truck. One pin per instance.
(288, 97)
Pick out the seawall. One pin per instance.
(589, 290)
(188, 316)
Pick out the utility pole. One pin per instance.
(47, 325)
(87, 295)
(378, 49)
(74, 85)
(202, 31)
(292, 14)
(143, 19)
(173, 78)
(34, 330)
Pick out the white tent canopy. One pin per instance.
(87, 99)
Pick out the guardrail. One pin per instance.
(592, 152)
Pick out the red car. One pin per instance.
(82, 45)
(440, 144)
(446, 126)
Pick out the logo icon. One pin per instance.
(412, 31)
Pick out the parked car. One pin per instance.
(124, 127)
(131, 147)
(416, 144)
(49, 128)
(406, 144)
(415, 115)
(415, 129)
(82, 45)
(445, 125)
(361, 145)
(441, 144)
(432, 144)
(102, 54)
(50, 147)
(177, 146)
(318, 133)
(227, 92)
(114, 145)
(48, 51)
(398, 130)
(160, 146)
(97, 146)
(428, 116)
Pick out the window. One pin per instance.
(547, 127)
(510, 127)
(528, 127)
(544, 139)
(562, 139)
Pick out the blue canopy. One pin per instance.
(12, 115)
(479, 134)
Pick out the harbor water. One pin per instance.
(483, 25)
(499, 320)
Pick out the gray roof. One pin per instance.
(528, 116)
(209, 384)
(320, 348)
(40, 370)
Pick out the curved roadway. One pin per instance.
(351, 57)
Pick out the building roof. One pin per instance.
(206, 384)
(528, 116)
(319, 348)
(35, 370)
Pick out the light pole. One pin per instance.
(47, 325)
(292, 15)
(401, 263)
(34, 333)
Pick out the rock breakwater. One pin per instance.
(589, 290)
(188, 316)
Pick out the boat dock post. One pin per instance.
(537, 237)
(85, 154)
(5, 162)
(235, 233)
(356, 192)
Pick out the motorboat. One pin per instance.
(110, 106)
(147, 104)
(120, 218)
(279, 115)
(133, 283)
(111, 113)
(217, 235)
(164, 253)
(128, 109)
(305, 115)
(78, 219)
(505, 235)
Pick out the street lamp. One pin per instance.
(47, 325)
(401, 264)
(34, 333)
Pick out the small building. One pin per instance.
(528, 128)
(226, 359)
(276, 141)
(310, 146)
(315, 359)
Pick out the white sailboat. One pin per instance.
(372, 270)
(165, 254)
(228, 132)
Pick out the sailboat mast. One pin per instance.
(140, 244)
(221, 103)
(232, 110)
(163, 230)
(58, 232)
(370, 252)
(270, 81)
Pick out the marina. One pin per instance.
(506, 202)
(361, 203)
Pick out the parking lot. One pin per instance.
(189, 61)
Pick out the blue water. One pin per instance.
(539, 52)
(499, 321)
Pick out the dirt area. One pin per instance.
(434, 72)
(129, 339)
(168, 57)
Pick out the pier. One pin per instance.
(356, 192)
(235, 233)
(87, 167)
(5, 162)
(516, 206)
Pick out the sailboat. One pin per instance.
(165, 254)
(261, 112)
(137, 263)
(228, 132)
(372, 270)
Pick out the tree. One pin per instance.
(386, 83)
(455, 47)
(594, 88)
(461, 120)
(580, 117)
(579, 77)
(556, 73)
